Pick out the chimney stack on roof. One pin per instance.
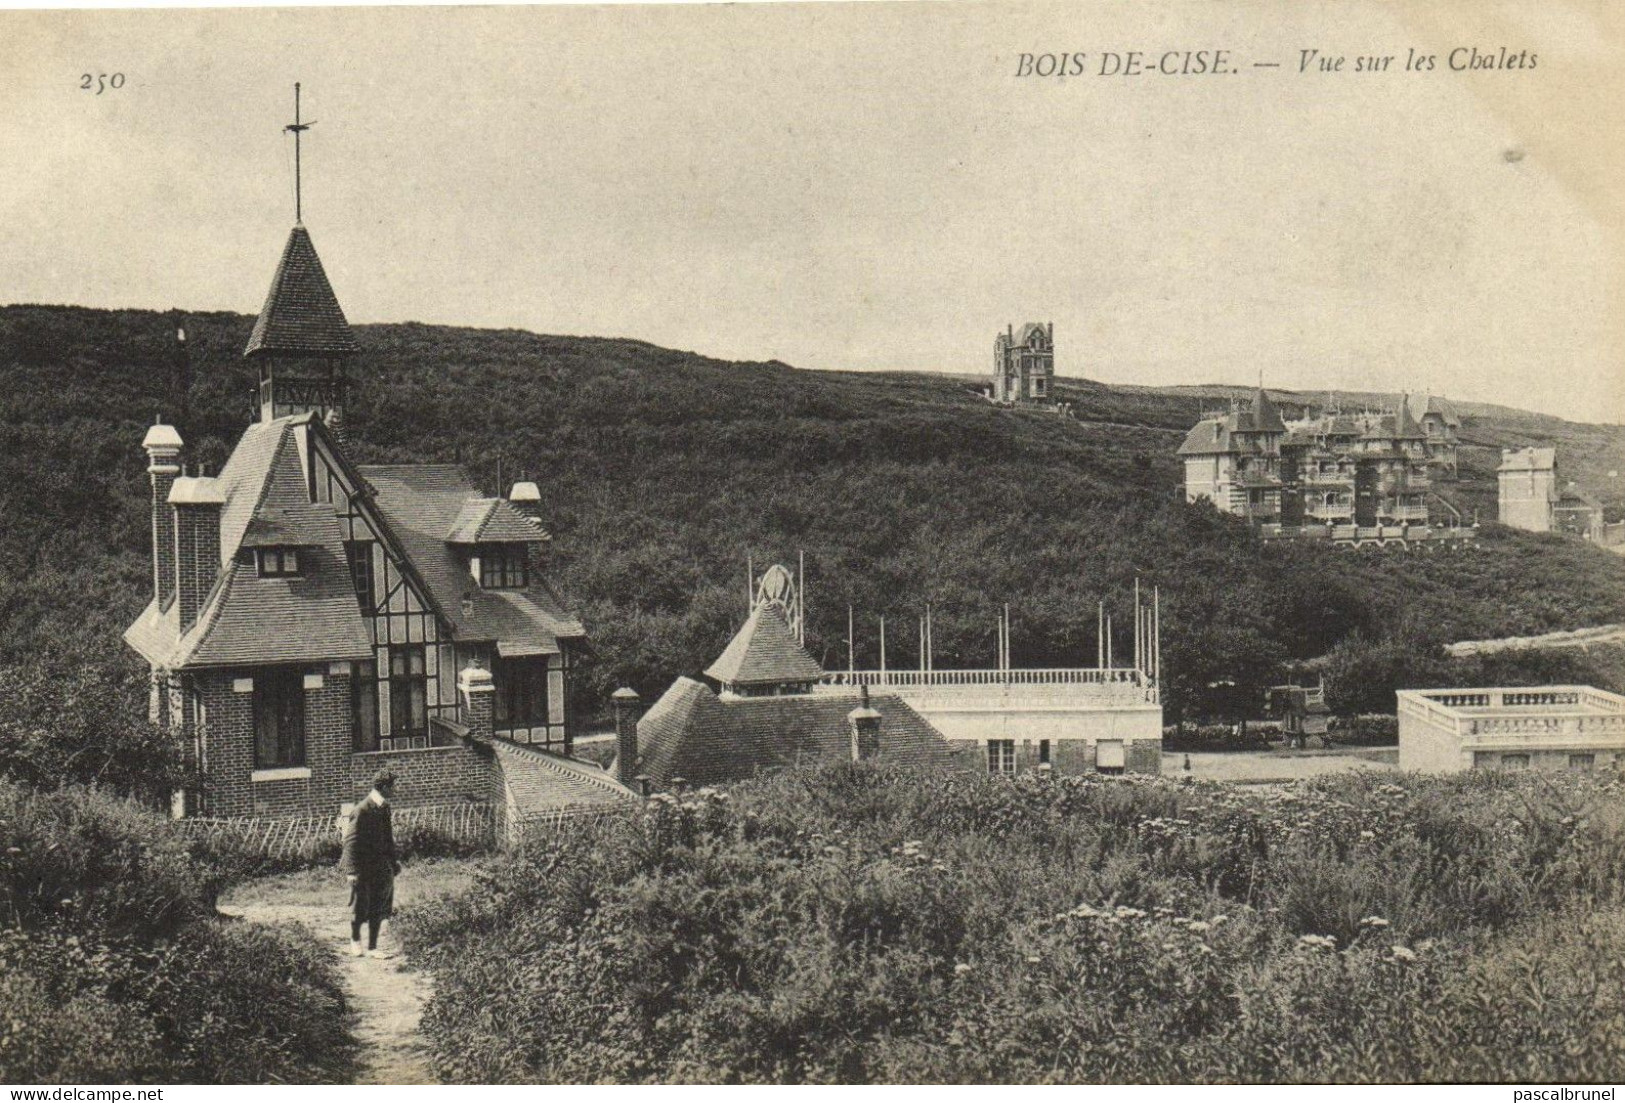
(628, 707)
(197, 500)
(163, 448)
(526, 497)
(865, 722)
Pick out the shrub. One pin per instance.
(114, 966)
(857, 923)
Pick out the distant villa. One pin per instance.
(1024, 363)
(1351, 477)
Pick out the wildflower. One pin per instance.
(961, 969)
(1368, 834)
(1375, 921)
(1317, 941)
(1200, 927)
(1129, 913)
(1033, 959)
(1404, 953)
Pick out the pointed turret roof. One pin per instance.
(301, 316)
(1266, 416)
(765, 652)
(1405, 427)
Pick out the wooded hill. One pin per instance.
(662, 471)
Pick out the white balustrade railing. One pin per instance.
(1517, 710)
(1078, 676)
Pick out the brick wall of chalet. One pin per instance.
(337, 774)
(428, 775)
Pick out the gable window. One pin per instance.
(521, 693)
(1043, 752)
(1001, 756)
(279, 718)
(502, 567)
(1038, 386)
(359, 552)
(277, 562)
(408, 692)
(364, 707)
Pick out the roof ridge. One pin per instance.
(560, 764)
(213, 604)
(265, 485)
(366, 497)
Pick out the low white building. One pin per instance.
(1515, 728)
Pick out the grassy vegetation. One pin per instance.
(114, 967)
(853, 924)
(662, 471)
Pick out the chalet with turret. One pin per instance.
(313, 620)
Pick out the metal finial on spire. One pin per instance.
(297, 128)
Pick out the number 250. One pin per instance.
(100, 82)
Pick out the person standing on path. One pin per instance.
(370, 865)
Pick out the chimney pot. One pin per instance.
(628, 708)
(865, 725)
(476, 688)
(526, 497)
(163, 447)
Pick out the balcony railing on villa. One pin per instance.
(1343, 533)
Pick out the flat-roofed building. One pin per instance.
(1514, 728)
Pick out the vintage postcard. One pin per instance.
(813, 543)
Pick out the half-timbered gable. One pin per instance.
(313, 621)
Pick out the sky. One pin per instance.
(863, 186)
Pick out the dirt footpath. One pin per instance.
(386, 995)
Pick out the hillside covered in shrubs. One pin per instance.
(662, 472)
(115, 967)
(854, 924)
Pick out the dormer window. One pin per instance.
(502, 567)
(278, 562)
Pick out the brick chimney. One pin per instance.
(526, 497)
(197, 501)
(865, 723)
(628, 708)
(163, 447)
(475, 688)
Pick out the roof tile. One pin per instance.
(301, 315)
(693, 734)
(764, 652)
(421, 502)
